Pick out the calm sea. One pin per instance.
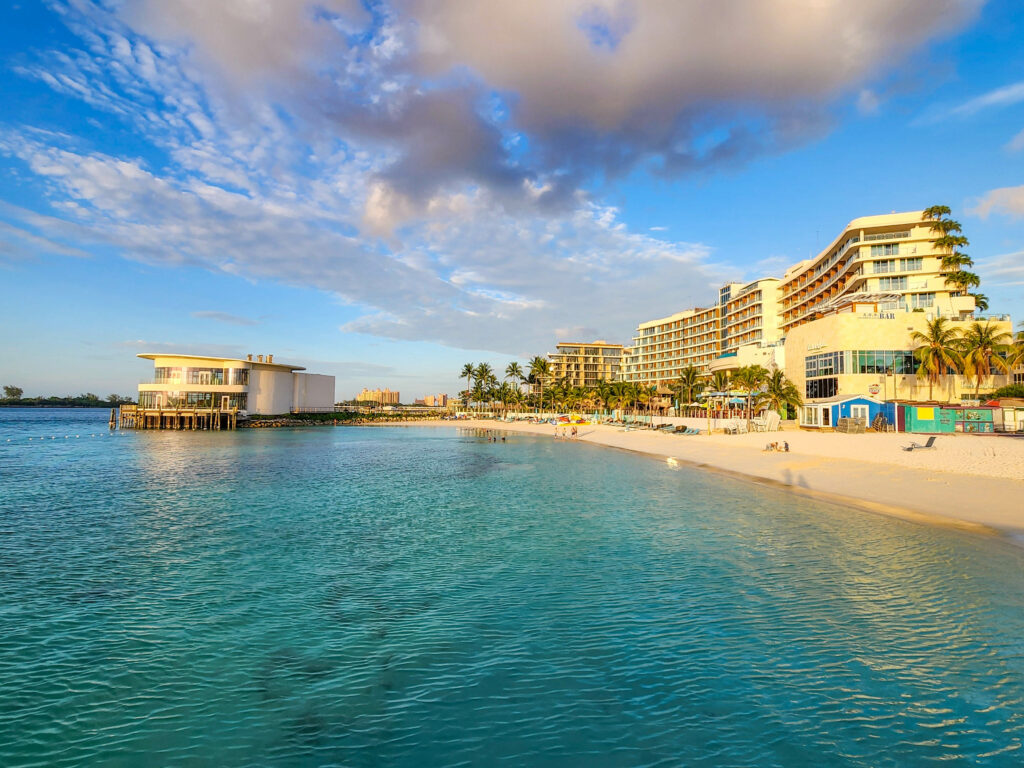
(423, 597)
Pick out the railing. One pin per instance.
(887, 236)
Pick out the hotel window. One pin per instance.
(922, 300)
(892, 283)
(912, 265)
(889, 249)
(818, 388)
(811, 417)
(889, 265)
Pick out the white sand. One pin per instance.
(970, 481)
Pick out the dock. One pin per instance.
(136, 417)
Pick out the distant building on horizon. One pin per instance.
(380, 396)
(436, 401)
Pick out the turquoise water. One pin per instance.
(421, 597)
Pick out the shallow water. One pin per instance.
(418, 596)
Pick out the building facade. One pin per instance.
(889, 259)
(662, 348)
(861, 350)
(379, 396)
(584, 365)
(250, 386)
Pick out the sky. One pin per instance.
(384, 191)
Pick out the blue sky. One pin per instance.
(385, 191)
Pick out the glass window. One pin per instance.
(922, 300)
(888, 265)
(911, 265)
(818, 388)
(892, 283)
(888, 249)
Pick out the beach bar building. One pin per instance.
(200, 392)
(827, 413)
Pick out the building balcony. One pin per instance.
(149, 385)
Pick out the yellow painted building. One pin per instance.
(662, 348)
(380, 396)
(583, 365)
(886, 258)
(752, 315)
(860, 349)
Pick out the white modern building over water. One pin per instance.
(253, 386)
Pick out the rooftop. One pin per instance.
(172, 355)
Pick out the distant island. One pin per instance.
(14, 398)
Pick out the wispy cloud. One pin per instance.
(1000, 97)
(1016, 144)
(183, 347)
(416, 165)
(1005, 200)
(1007, 268)
(1005, 96)
(224, 317)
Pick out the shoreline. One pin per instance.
(818, 466)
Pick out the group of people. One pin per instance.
(783, 447)
(565, 434)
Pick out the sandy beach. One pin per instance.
(973, 482)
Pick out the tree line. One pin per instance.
(761, 388)
(14, 396)
(977, 352)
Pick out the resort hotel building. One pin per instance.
(839, 324)
(195, 391)
(583, 365)
(379, 396)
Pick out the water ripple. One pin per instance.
(416, 597)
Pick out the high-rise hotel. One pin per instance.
(830, 321)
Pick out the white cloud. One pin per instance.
(224, 317)
(1005, 270)
(1016, 144)
(1000, 97)
(868, 102)
(287, 137)
(1006, 200)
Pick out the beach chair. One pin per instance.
(930, 443)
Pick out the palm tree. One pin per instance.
(980, 301)
(468, 370)
(603, 393)
(780, 394)
(540, 369)
(936, 212)
(982, 348)
(963, 280)
(936, 351)
(514, 371)
(748, 379)
(688, 384)
(478, 393)
(949, 241)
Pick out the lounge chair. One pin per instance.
(930, 443)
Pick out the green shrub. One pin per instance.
(1011, 390)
